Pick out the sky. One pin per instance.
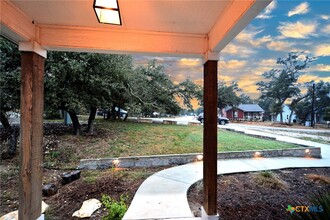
(282, 27)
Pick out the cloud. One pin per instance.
(303, 8)
(233, 49)
(297, 30)
(190, 62)
(320, 68)
(268, 10)
(248, 84)
(322, 50)
(248, 36)
(308, 78)
(226, 78)
(232, 64)
(326, 29)
(325, 17)
(279, 46)
(267, 62)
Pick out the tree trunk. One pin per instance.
(281, 117)
(118, 113)
(91, 119)
(126, 116)
(12, 135)
(13, 141)
(4, 121)
(108, 115)
(113, 112)
(290, 116)
(75, 122)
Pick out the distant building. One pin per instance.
(286, 111)
(318, 117)
(249, 112)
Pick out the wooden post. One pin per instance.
(210, 141)
(31, 135)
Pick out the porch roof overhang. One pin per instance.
(195, 28)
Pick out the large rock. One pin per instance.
(49, 189)
(14, 214)
(87, 208)
(70, 177)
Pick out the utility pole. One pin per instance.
(313, 106)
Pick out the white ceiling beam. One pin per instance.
(53, 37)
(15, 25)
(236, 17)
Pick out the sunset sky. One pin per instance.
(282, 27)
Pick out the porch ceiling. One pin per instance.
(185, 27)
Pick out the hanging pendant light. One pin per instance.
(107, 11)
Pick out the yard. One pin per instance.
(63, 151)
(114, 139)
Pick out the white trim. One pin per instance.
(54, 37)
(211, 55)
(205, 216)
(32, 46)
(237, 16)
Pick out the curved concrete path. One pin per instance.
(164, 194)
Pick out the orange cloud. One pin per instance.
(308, 78)
(297, 30)
(279, 46)
(232, 64)
(303, 8)
(190, 62)
(322, 50)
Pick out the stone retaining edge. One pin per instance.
(179, 159)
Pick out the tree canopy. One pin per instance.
(9, 79)
(227, 95)
(80, 80)
(281, 84)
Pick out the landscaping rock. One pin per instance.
(49, 189)
(14, 214)
(87, 208)
(70, 177)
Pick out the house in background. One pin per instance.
(286, 111)
(318, 117)
(249, 112)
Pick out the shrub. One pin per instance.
(116, 210)
(270, 180)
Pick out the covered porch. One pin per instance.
(198, 29)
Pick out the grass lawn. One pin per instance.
(119, 139)
(151, 139)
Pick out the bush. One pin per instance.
(116, 210)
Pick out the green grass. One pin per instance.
(136, 139)
(121, 139)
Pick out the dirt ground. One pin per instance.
(69, 198)
(240, 196)
(251, 196)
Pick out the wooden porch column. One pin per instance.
(210, 137)
(31, 135)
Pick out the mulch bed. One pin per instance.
(245, 197)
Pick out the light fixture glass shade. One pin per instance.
(106, 4)
(107, 11)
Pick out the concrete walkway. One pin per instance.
(164, 194)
